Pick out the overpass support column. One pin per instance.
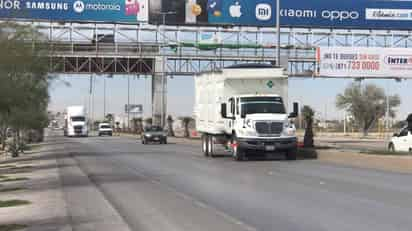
(159, 92)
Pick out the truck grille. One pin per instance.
(78, 129)
(266, 128)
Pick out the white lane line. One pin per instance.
(194, 201)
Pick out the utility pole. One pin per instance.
(104, 98)
(128, 103)
(344, 123)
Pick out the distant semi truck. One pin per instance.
(244, 108)
(75, 122)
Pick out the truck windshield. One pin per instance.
(266, 105)
(78, 119)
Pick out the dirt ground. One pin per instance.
(401, 164)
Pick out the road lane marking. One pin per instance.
(192, 199)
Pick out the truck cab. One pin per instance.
(260, 123)
(76, 122)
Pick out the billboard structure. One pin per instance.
(133, 108)
(118, 11)
(351, 14)
(364, 62)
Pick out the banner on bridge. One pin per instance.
(108, 11)
(364, 62)
(350, 14)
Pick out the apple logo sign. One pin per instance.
(235, 10)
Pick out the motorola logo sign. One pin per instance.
(78, 6)
(263, 11)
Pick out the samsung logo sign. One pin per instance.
(47, 5)
(16, 5)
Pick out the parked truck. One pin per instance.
(75, 122)
(243, 108)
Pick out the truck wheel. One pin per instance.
(211, 146)
(238, 153)
(205, 145)
(291, 154)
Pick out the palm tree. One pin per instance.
(170, 126)
(308, 113)
(148, 121)
(109, 118)
(137, 125)
(409, 120)
(186, 121)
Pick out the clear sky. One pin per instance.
(318, 93)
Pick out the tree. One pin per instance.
(148, 121)
(137, 125)
(186, 121)
(170, 126)
(308, 113)
(24, 83)
(366, 104)
(109, 118)
(409, 120)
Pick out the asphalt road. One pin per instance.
(173, 187)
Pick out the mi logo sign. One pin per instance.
(263, 12)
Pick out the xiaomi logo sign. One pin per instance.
(263, 12)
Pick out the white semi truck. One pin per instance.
(243, 108)
(75, 122)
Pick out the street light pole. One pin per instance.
(104, 98)
(128, 103)
(278, 32)
(164, 60)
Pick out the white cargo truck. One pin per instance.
(243, 108)
(75, 122)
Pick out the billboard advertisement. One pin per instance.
(120, 11)
(351, 14)
(364, 62)
(133, 108)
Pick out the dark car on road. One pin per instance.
(154, 134)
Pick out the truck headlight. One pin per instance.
(289, 130)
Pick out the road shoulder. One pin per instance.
(42, 188)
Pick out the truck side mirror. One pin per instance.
(223, 110)
(295, 112)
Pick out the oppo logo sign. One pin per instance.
(340, 15)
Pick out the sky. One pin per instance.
(317, 93)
